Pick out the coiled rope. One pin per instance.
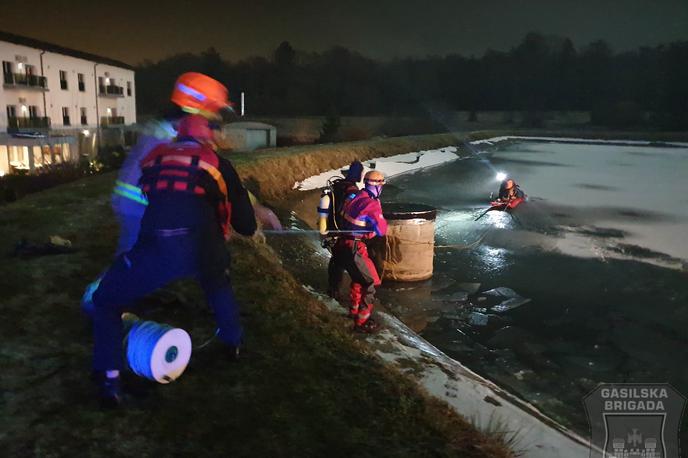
(152, 357)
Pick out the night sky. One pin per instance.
(131, 31)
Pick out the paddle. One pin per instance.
(496, 207)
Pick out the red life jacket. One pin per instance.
(190, 168)
(363, 214)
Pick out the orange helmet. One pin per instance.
(199, 93)
(374, 178)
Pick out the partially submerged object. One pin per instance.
(406, 253)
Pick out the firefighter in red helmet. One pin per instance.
(194, 197)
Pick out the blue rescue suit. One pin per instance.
(128, 202)
(181, 236)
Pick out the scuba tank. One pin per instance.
(332, 200)
(324, 210)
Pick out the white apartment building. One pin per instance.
(57, 92)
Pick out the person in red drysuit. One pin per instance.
(363, 220)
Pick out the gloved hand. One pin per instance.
(267, 218)
(327, 241)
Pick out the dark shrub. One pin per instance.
(669, 121)
(111, 157)
(16, 186)
(619, 115)
(330, 128)
(533, 119)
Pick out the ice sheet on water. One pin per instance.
(470, 288)
(510, 304)
(478, 319)
(460, 296)
(513, 299)
(502, 291)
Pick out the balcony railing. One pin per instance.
(14, 124)
(110, 90)
(111, 120)
(24, 80)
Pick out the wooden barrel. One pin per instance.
(406, 253)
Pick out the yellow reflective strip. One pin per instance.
(141, 199)
(127, 186)
(215, 173)
(355, 221)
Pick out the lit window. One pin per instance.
(4, 161)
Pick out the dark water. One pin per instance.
(607, 302)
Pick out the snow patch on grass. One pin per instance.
(390, 166)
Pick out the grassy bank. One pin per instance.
(271, 173)
(308, 387)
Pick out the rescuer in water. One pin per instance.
(363, 220)
(193, 197)
(509, 191)
(331, 222)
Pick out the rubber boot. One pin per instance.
(356, 298)
(110, 392)
(364, 322)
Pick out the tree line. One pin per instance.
(648, 85)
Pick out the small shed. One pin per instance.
(247, 136)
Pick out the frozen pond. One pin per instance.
(637, 190)
(598, 249)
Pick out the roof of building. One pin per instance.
(33, 43)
